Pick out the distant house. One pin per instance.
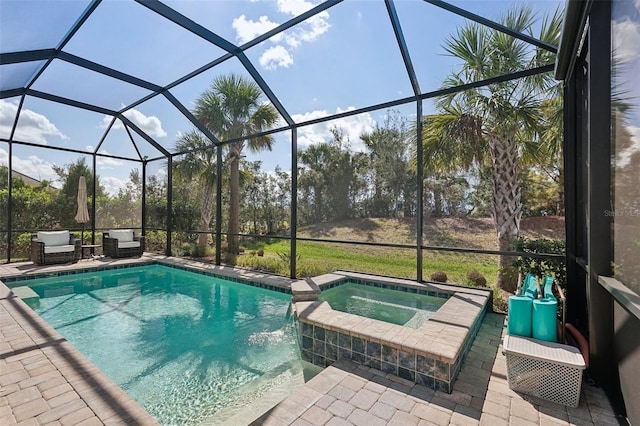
(29, 180)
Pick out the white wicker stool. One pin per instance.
(548, 370)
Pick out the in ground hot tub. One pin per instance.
(385, 304)
(430, 354)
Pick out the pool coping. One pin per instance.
(431, 354)
(245, 276)
(89, 394)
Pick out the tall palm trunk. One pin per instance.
(507, 204)
(206, 213)
(234, 198)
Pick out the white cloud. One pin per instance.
(32, 127)
(353, 126)
(248, 29)
(309, 31)
(150, 124)
(305, 32)
(31, 166)
(104, 163)
(624, 157)
(294, 7)
(112, 185)
(626, 39)
(276, 56)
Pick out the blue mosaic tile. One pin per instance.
(358, 357)
(426, 365)
(443, 370)
(318, 347)
(389, 354)
(307, 356)
(406, 360)
(344, 353)
(331, 352)
(331, 336)
(373, 363)
(307, 343)
(442, 386)
(307, 329)
(319, 360)
(318, 332)
(425, 380)
(344, 341)
(374, 350)
(407, 374)
(387, 367)
(358, 345)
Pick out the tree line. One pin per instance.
(487, 151)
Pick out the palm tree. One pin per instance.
(232, 109)
(500, 125)
(199, 164)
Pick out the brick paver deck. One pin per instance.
(45, 380)
(350, 394)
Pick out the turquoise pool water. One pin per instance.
(397, 307)
(185, 346)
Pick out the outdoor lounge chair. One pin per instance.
(122, 243)
(49, 247)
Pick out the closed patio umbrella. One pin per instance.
(83, 213)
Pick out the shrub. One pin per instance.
(154, 241)
(439, 277)
(21, 246)
(268, 264)
(538, 266)
(260, 252)
(285, 256)
(476, 278)
(306, 269)
(200, 251)
(500, 300)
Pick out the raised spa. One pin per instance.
(384, 304)
(428, 352)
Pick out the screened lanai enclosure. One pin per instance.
(290, 128)
(423, 139)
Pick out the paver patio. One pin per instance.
(45, 380)
(350, 394)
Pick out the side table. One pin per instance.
(92, 247)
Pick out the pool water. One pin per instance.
(397, 307)
(185, 346)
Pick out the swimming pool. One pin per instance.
(185, 346)
(393, 306)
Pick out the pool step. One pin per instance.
(305, 291)
(29, 296)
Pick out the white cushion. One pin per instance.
(123, 235)
(128, 244)
(59, 249)
(54, 238)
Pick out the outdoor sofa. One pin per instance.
(122, 243)
(49, 247)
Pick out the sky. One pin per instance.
(625, 33)
(341, 59)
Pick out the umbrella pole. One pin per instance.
(82, 234)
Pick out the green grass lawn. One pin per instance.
(316, 258)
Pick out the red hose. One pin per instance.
(583, 345)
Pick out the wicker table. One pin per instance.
(89, 246)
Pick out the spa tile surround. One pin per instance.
(430, 355)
